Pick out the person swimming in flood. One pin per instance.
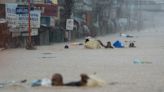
(82, 82)
(86, 80)
(57, 80)
(95, 44)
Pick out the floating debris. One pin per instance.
(138, 61)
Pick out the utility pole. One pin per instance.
(29, 41)
(68, 11)
(29, 21)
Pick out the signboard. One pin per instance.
(11, 16)
(34, 32)
(35, 19)
(22, 10)
(69, 24)
(54, 1)
(17, 16)
(38, 1)
(52, 22)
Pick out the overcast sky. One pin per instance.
(159, 1)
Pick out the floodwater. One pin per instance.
(115, 66)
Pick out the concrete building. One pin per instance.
(48, 10)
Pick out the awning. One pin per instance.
(79, 20)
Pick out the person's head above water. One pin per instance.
(84, 79)
(57, 80)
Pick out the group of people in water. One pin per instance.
(92, 43)
(57, 80)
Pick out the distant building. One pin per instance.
(7, 1)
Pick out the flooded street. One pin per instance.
(116, 66)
